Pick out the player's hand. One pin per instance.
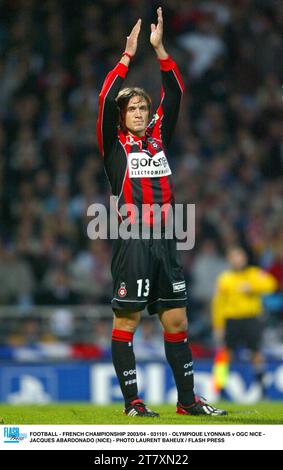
(132, 39)
(156, 36)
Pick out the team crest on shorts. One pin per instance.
(122, 292)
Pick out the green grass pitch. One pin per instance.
(82, 413)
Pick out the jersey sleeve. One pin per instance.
(164, 121)
(262, 282)
(108, 116)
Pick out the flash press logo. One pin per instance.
(12, 435)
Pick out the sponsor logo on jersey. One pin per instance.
(122, 291)
(143, 165)
(179, 286)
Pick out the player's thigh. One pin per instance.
(126, 320)
(131, 272)
(172, 280)
(169, 292)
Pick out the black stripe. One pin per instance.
(137, 192)
(157, 191)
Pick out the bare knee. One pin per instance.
(174, 320)
(126, 321)
(177, 326)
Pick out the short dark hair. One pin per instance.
(123, 99)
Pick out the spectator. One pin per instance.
(208, 264)
(57, 289)
(16, 279)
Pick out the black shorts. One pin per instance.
(245, 332)
(147, 273)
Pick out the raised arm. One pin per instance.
(108, 113)
(166, 116)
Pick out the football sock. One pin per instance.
(125, 363)
(179, 356)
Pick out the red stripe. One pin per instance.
(168, 64)
(175, 337)
(127, 190)
(179, 78)
(128, 197)
(122, 335)
(99, 126)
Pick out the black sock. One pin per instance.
(125, 364)
(179, 356)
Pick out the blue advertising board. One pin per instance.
(96, 382)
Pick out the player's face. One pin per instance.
(136, 117)
(237, 259)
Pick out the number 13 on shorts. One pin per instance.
(143, 287)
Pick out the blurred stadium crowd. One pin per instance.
(229, 140)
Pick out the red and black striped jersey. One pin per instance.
(137, 167)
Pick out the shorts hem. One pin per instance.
(135, 305)
(152, 307)
(160, 304)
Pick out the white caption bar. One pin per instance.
(141, 437)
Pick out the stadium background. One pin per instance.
(55, 285)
